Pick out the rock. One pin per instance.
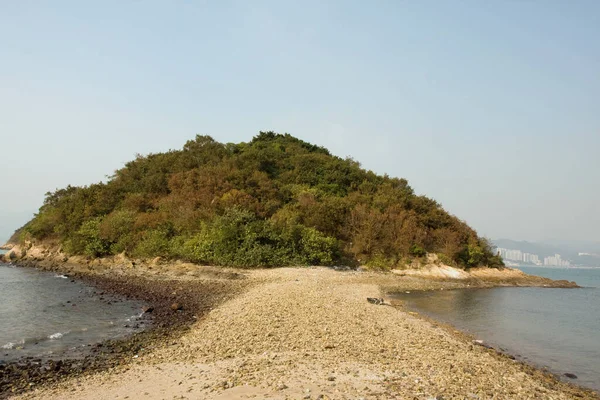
(147, 310)
(176, 307)
(570, 375)
(374, 300)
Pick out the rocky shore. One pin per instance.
(173, 306)
(306, 333)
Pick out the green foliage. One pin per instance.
(444, 259)
(417, 251)
(239, 238)
(276, 200)
(316, 248)
(381, 263)
(475, 255)
(87, 240)
(153, 243)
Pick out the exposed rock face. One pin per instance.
(9, 256)
(483, 277)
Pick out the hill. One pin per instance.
(273, 201)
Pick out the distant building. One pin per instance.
(531, 258)
(509, 254)
(518, 255)
(556, 261)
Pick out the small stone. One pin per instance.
(570, 375)
(282, 386)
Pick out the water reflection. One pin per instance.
(557, 328)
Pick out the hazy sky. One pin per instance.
(490, 107)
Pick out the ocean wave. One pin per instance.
(57, 335)
(135, 317)
(11, 345)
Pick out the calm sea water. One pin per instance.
(43, 314)
(555, 328)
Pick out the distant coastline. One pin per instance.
(552, 267)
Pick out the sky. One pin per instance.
(491, 108)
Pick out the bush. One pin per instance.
(156, 242)
(417, 251)
(444, 259)
(381, 263)
(318, 249)
(87, 240)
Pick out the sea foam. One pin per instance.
(57, 335)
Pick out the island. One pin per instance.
(268, 266)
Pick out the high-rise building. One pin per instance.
(556, 261)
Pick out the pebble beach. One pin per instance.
(306, 333)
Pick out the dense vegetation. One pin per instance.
(276, 200)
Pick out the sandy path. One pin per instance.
(310, 334)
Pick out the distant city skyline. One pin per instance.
(490, 108)
(517, 255)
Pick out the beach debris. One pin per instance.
(374, 300)
(570, 375)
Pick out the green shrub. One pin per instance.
(87, 240)
(417, 251)
(475, 255)
(381, 263)
(318, 249)
(444, 259)
(156, 242)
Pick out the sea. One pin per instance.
(50, 316)
(548, 327)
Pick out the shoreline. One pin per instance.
(194, 300)
(495, 349)
(179, 273)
